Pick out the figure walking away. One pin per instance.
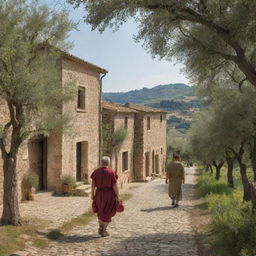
(175, 176)
(105, 195)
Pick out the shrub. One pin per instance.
(207, 185)
(30, 180)
(235, 225)
(68, 180)
(118, 137)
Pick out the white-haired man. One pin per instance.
(105, 194)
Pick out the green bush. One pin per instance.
(30, 180)
(118, 137)
(209, 185)
(68, 180)
(233, 220)
(235, 225)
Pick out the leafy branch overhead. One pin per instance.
(31, 90)
(210, 37)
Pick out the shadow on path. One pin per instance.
(165, 208)
(77, 238)
(162, 244)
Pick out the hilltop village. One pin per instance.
(140, 155)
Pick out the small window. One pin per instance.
(81, 98)
(126, 122)
(125, 161)
(161, 151)
(161, 118)
(148, 123)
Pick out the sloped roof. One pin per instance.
(115, 107)
(83, 62)
(142, 108)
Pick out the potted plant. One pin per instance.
(29, 186)
(68, 184)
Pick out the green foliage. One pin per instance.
(30, 81)
(234, 223)
(211, 38)
(106, 134)
(208, 185)
(68, 180)
(118, 137)
(30, 181)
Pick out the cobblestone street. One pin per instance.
(149, 226)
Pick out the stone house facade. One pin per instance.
(146, 142)
(149, 141)
(74, 152)
(114, 117)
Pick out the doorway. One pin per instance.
(147, 163)
(153, 161)
(157, 163)
(37, 150)
(82, 161)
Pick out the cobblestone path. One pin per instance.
(149, 226)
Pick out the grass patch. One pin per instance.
(207, 184)
(14, 238)
(233, 220)
(40, 242)
(79, 221)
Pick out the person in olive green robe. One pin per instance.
(175, 176)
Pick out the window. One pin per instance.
(126, 122)
(161, 150)
(161, 118)
(125, 161)
(81, 98)
(148, 123)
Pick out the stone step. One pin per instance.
(83, 190)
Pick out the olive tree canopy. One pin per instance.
(215, 39)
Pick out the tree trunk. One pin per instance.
(218, 168)
(217, 175)
(253, 159)
(230, 163)
(210, 166)
(11, 213)
(245, 180)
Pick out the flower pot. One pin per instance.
(67, 189)
(31, 194)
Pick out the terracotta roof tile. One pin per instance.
(143, 108)
(83, 62)
(115, 107)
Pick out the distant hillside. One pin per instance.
(178, 100)
(151, 95)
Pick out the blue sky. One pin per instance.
(130, 66)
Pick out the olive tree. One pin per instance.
(211, 37)
(30, 87)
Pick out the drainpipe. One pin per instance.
(100, 120)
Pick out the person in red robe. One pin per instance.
(105, 195)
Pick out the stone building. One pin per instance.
(114, 117)
(149, 141)
(75, 152)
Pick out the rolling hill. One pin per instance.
(179, 100)
(151, 95)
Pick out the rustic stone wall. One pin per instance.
(155, 143)
(138, 146)
(85, 122)
(61, 147)
(127, 146)
(151, 141)
(115, 121)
